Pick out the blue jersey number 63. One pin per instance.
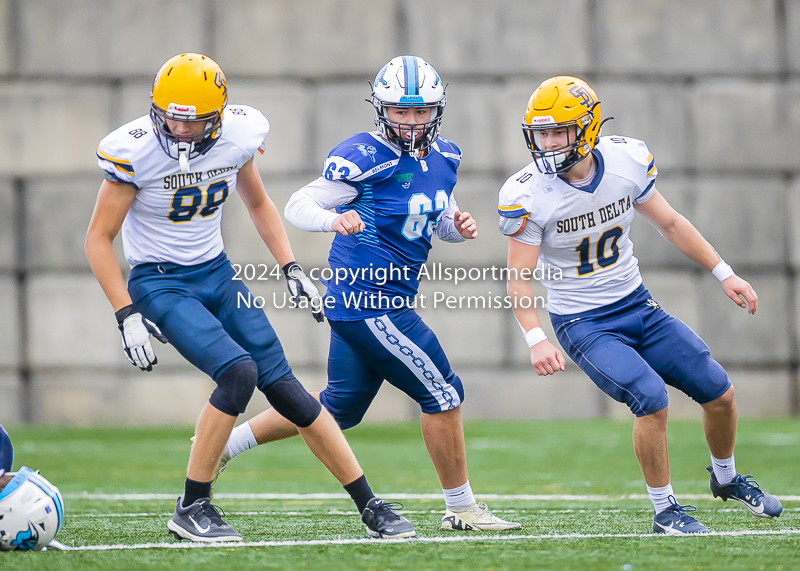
(419, 206)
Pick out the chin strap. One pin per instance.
(183, 156)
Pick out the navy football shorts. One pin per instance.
(632, 348)
(196, 307)
(397, 347)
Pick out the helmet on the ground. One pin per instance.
(31, 511)
(189, 87)
(409, 82)
(566, 102)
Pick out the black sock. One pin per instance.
(360, 491)
(193, 491)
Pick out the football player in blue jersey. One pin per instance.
(392, 191)
(167, 178)
(571, 209)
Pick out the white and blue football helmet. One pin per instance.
(409, 81)
(31, 512)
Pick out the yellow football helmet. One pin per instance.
(562, 101)
(190, 88)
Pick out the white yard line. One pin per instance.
(448, 539)
(397, 496)
(532, 511)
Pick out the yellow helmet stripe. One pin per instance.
(121, 164)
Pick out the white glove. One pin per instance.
(136, 332)
(300, 285)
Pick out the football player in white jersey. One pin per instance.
(167, 178)
(571, 210)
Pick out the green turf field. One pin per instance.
(120, 487)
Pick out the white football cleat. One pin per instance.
(477, 518)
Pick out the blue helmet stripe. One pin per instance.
(47, 489)
(410, 64)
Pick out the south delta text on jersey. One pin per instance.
(585, 231)
(400, 200)
(175, 216)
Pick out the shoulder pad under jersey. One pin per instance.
(629, 158)
(126, 154)
(448, 149)
(361, 157)
(246, 127)
(528, 194)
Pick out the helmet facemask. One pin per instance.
(423, 135)
(185, 147)
(560, 160)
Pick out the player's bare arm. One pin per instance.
(545, 357)
(113, 202)
(466, 225)
(688, 239)
(264, 213)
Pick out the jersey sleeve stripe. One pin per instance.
(123, 165)
(647, 190)
(513, 211)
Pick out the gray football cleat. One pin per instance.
(202, 522)
(384, 523)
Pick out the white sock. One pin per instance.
(660, 497)
(240, 440)
(724, 470)
(459, 499)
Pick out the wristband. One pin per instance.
(722, 271)
(124, 313)
(535, 336)
(290, 272)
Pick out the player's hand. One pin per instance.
(546, 359)
(736, 289)
(465, 224)
(300, 285)
(136, 332)
(348, 223)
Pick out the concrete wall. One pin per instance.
(713, 87)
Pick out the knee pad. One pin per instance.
(292, 401)
(235, 386)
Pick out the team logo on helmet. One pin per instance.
(26, 540)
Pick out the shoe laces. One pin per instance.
(214, 513)
(681, 510)
(382, 506)
(482, 510)
(752, 486)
